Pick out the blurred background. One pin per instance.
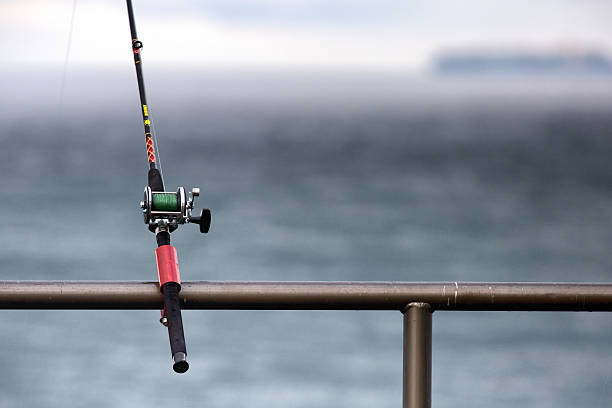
(353, 140)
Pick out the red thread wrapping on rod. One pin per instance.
(167, 265)
(150, 149)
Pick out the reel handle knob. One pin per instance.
(203, 220)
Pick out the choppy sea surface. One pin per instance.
(321, 176)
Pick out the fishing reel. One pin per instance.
(163, 209)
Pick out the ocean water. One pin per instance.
(310, 176)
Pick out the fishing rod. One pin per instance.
(163, 212)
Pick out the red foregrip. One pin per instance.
(167, 265)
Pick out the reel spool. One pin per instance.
(170, 209)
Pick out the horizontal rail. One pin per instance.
(309, 295)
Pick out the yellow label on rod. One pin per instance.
(147, 122)
(144, 109)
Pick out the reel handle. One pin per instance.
(203, 220)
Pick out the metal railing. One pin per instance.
(417, 301)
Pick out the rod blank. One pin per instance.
(309, 295)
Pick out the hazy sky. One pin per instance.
(388, 34)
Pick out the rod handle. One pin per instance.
(172, 304)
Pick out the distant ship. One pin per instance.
(522, 63)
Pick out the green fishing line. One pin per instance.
(165, 202)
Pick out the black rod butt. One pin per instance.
(180, 362)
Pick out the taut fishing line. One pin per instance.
(66, 59)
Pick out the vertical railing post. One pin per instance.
(417, 356)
